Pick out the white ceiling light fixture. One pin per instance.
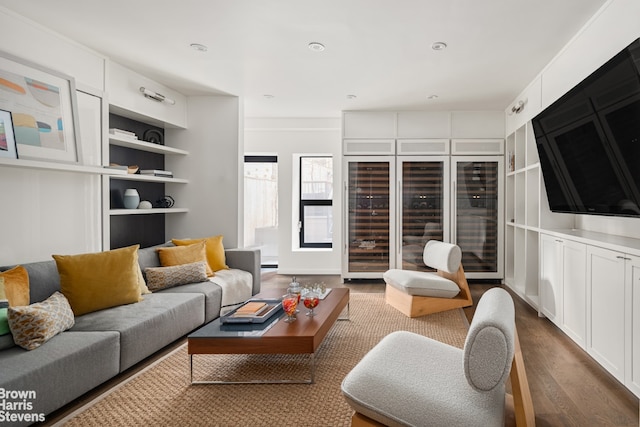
(350, 96)
(199, 47)
(439, 46)
(316, 46)
(432, 97)
(268, 96)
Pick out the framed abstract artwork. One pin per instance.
(44, 110)
(7, 139)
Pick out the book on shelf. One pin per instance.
(117, 167)
(156, 172)
(123, 133)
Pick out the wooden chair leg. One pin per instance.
(521, 400)
(359, 420)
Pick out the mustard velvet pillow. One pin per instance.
(95, 281)
(15, 287)
(14, 291)
(188, 254)
(214, 250)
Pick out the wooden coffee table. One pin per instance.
(304, 336)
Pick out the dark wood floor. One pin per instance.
(568, 387)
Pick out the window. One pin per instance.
(316, 200)
(261, 207)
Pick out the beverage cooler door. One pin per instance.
(423, 208)
(478, 214)
(369, 200)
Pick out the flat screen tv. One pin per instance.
(589, 141)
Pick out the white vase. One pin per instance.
(131, 198)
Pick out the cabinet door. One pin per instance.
(633, 333)
(550, 285)
(606, 309)
(478, 214)
(574, 291)
(369, 242)
(423, 210)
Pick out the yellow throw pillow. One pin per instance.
(16, 286)
(178, 255)
(141, 283)
(214, 248)
(95, 281)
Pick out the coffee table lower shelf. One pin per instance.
(302, 337)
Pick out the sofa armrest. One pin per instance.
(247, 260)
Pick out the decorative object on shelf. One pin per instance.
(154, 136)
(7, 139)
(156, 96)
(44, 110)
(133, 169)
(131, 198)
(145, 204)
(165, 202)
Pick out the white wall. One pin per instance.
(214, 193)
(615, 26)
(288, 139)
(50, 212)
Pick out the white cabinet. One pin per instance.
(590, 288)
(551, 278)
(126, 98)
(563, 286)
(369, 124)
(632, 367)
(607, 314)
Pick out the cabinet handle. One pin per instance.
(622, 257)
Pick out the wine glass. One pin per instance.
(289, 305)
(311, 300)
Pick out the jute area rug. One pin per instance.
(162, 395)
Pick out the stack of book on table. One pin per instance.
(253, 311)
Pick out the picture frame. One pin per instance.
(7, 139)
(44, 110)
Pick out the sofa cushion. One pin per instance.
(187, 254)
(149, 325)
(67, 366)
(421, 283)
(33, 325)
(95, 281)
(167, 277)
(214, 250)
(212, 296)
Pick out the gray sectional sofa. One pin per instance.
(105, 343)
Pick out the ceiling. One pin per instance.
(378, 50)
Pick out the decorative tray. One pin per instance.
(270, 308)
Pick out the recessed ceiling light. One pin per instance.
(268, 96)
(199, 47)
(432, 97)
(316, 47)
(351, 96)
(439, 46)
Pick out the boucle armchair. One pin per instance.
(411, 380)
(418, 293)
